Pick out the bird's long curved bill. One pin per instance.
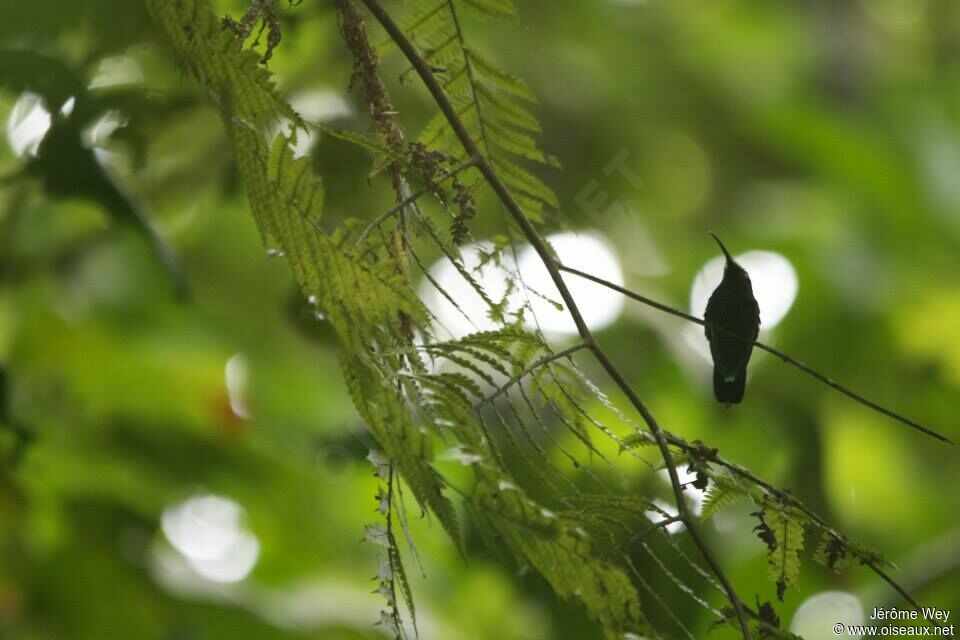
(722, 248)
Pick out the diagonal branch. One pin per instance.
(788, 498)
(783, 356)
(540, 246)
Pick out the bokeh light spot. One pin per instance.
(117, 71)
(816, 617)
(469, 314)
(208, 531)
(236, 374)
(534, 289)
(587, 252)
(27, 124)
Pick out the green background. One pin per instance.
(826, 131)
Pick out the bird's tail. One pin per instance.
(729, 391)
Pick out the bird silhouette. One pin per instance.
(732, 324)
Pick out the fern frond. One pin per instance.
(241, 87)
(388, 418)
(489, 73)
(832, 552)
(598, 511)
(492, 103)
(564, 556)
(363, 301)
(782, 529)
(366, 141)
(723, 491)
(636, 440)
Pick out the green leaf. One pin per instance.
(363, 301)
(563, 555)
(782, 529)
(832, 552)
(723, 491)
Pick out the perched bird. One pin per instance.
(733, 322)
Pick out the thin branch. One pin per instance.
(412, 198)
(788, 498)
(643, 533)
(783, 356)
(932, 563)
(890, 581)
(533, 367)
(540, 246)
(394, 607)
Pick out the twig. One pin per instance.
(783, 356)
(533, 367)
(529, 231)
(395, 609)
(788, 498)
(413, 197)
(931, 563)
(890, 581)
(643, 533)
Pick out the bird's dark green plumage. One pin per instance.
(733, 322)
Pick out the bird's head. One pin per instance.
(731, 270)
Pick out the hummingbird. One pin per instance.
(732, 324)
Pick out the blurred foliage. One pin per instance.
(827, 131)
